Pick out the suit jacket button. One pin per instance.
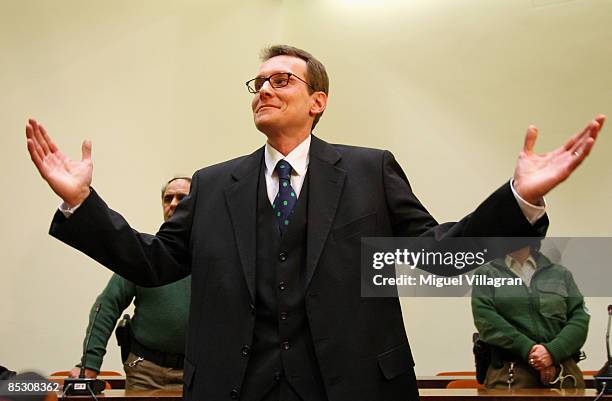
(234, 394)
(277, 376)
(282, 285)
(282, 256)
(246, 350)
(285, 345)
(283, 315)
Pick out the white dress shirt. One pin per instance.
(298, 158)
(524, 271)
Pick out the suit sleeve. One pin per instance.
(498, 216)
(144, 259)
(114, 299)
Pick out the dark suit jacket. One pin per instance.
(360, 343)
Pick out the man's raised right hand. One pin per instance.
(69, 179)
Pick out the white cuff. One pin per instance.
(67, 211)
(532, 213)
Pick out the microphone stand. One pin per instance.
(84, 385)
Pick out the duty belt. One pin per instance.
(160, 358)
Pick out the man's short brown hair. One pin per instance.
(316, 75)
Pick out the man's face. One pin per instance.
(175, 191)
(286, 109)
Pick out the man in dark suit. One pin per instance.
(272, 241)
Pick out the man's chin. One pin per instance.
(264, 125)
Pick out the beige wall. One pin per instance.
(449, 86)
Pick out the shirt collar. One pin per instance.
(298, 158)
(510, 262)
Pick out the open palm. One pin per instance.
(69, 179)
(536, 174)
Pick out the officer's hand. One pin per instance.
(548, 374)
(92, 374)
(539, 357)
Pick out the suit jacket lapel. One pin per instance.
(241, 198)
(325, 187)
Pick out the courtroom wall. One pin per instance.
(449, 86)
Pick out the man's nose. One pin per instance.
(174, 203)
(266, 89)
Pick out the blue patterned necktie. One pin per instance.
(286, 198)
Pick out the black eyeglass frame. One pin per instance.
(289, 75)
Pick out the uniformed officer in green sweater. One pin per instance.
(157, 327)
(535, 329)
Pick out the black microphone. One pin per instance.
(85, 385)
(603, 379)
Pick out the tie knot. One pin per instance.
(283, 169)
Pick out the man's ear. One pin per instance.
(319, 102)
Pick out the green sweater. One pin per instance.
(159, 321)
(550, 311)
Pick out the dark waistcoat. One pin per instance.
(282, 360)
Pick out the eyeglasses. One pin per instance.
(278, 80)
